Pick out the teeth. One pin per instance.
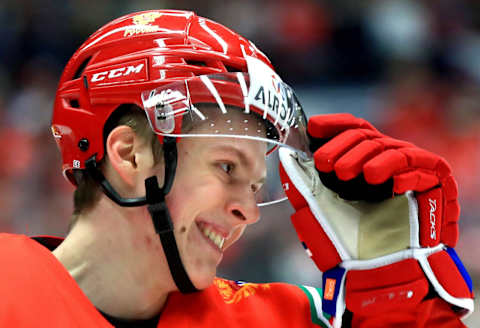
(213, 236)
(207, 232)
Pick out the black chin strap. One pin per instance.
(155, 198)
(161, 217)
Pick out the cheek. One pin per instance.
(190, 197)
(181, 213)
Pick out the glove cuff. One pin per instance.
(397, 282)
(450, 279)
(399, 285)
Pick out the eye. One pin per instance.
(227, 167)
(256, 187)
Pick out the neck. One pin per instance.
(115, 256)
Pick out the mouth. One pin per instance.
(213, 235)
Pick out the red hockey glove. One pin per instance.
(378, 216)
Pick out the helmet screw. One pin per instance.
(83, 144)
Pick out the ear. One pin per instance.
(129, 155)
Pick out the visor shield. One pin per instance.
(233, 105)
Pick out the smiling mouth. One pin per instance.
(216, 238)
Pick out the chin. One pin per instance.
(204, 280)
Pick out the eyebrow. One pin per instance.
(241, 155)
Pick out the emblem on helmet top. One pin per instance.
(142, 24)
(145, 19)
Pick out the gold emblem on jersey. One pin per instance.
(142, 24)
(233, 293)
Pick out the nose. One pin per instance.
(242, 206)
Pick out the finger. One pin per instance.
(351, 163)
(450, 188)
(450, 194)
(327, 126)
(326, 156)
(384, 166)
(420, 158)
(429, 170)
(397, 161)
(452, 211)
(416, 180)
(450, 234)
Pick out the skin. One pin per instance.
(113, 252)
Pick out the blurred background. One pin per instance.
(410, 67)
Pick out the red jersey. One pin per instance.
(37, 291)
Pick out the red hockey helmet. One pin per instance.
(145, 59)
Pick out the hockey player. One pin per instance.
(174, 130)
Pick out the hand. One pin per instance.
(375, 214)
(360, 163)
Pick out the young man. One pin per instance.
(169, 125)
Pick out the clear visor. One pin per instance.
(233, 105)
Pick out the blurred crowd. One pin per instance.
(412, 67)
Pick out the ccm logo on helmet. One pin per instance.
(132, 71)
(117, 72)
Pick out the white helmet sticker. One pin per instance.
(268, 93)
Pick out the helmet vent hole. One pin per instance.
(232, 69)
(74, 103)
(81, 68)
(195, 62)
(83, 144)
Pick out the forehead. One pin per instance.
(247, 150)
(229, 132)
(234, 121)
